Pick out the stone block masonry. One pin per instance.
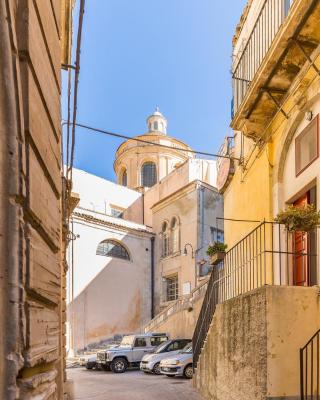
(31, 242)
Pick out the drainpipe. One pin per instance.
(152, 277)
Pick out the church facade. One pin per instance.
(139, 245)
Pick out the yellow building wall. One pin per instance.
(248, 198)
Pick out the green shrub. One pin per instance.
(299, 218)
(216, 247)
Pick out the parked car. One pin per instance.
(179, 365)
(88, 360)
(150, 363)
(130, 351)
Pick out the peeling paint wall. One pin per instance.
(252, 348)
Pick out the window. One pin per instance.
(165, 240)
(217, 235)
(156, 341)
(155, 125)
(175, 235)
(172, 288)
(148, 174)
(140, 342)
(116, 213)
(111, 248)
(124, 178)
(173, 346)
(307, 146)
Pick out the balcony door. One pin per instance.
(301, 250)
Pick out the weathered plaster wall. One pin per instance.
(31, 265)
(252, 349)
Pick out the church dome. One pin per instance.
(140, 165)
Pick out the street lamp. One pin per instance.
(185, 251)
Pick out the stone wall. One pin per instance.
(31, 267)
(252, 349)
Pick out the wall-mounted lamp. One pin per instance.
(185, 251)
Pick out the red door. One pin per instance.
(300, 247)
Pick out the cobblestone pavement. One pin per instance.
(132, 385)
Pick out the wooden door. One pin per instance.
(300, 246)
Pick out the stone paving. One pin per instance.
(132, 385)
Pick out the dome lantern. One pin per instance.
(157, 123)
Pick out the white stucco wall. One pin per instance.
(99, 194)
(111, 295)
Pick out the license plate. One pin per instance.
(166, 369)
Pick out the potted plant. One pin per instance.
(299, 218)
(217, 252)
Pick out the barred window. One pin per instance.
(124, 178)
(148, 174)
(111, 248)
(175, 235)
(172, 288)
(165, 240)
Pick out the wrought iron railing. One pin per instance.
(309, 369)
(268, 255)
(245, 66)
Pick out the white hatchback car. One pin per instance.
(179, 365)
(151, 362)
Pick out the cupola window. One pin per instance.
(148, 174)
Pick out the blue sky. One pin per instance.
(142, 53)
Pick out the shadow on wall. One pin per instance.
(115, 302)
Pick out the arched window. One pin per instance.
(111, 248)
(155, 125)
(124, 178)
(175, 235)
(148, 174)
(165, 240)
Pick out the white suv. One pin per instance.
(151, 362)
(130, 351)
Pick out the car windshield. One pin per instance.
(187, 349)
(127, 341)
(161, 347)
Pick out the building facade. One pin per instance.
(34, 43)
(162, 213)
(275, 117)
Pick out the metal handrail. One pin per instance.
(268, 23)
(265, 256)
(309, 369)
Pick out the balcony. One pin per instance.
(268, 255)
(283, 39)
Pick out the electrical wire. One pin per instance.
(118, 135)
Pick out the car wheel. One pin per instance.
(89, 366)
(119, 365)
(156, 369)
(188, 371)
